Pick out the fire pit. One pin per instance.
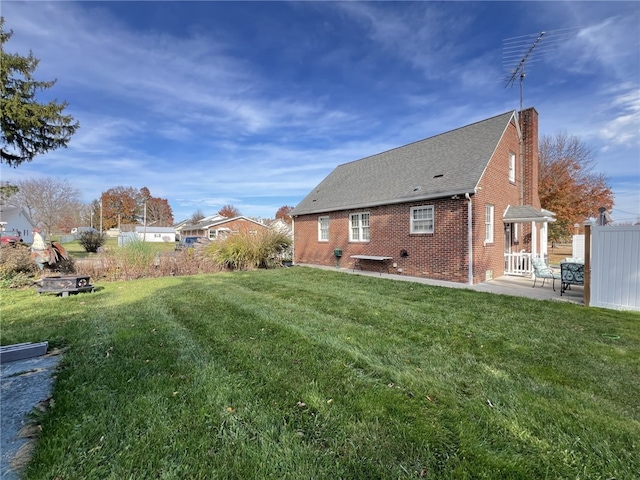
(65, 285)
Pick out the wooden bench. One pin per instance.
(374, 258)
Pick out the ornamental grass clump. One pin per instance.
(135, 259)
(248, 251)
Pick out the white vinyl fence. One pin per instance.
(578, 246)
(615, 267)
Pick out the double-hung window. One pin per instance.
(422, 219)
(488, 224)
(359, 227)
(512, 167)
(323, 229)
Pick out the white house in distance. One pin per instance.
(156, 234)
(14, 219)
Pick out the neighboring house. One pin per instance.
(14, 219)
(186, 225)
(459, 206)
(219, 227)
(281, 226)
(286, 228)
(155, 234)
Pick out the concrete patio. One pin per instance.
(506, 285)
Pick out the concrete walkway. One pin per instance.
(24, 385)
(507, 285)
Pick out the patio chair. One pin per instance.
(541, 270)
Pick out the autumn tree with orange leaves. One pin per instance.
(119, 206)
(568, 185)
(229, 211)
(284, 213)
(126, 205)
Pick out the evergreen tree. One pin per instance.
(29, 128)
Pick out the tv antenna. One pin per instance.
(527, 49)
(519, 69)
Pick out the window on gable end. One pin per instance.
(512, 167)
(422, 219)
(323, 229)
(488, 224)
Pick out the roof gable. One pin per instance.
(14, 214)
(446, 164)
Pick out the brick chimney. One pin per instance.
(529, 126)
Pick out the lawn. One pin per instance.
(311, 374)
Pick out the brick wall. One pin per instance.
(441, 255)
(495, 189)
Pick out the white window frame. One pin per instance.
(512, 167)
(323, 228)
(488, 223)
(360, 227)
(422, 225)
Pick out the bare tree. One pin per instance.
(196, 217)
(47, 201)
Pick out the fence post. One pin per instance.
(587, 265)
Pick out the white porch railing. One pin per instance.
(517, 264)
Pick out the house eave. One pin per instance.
(396, 201)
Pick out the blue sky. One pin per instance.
(254, 103)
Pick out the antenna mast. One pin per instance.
(520, 67)
(519, 51)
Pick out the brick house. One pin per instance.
(461, 206)
(219, 227)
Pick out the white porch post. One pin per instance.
(543, 239)
(534, 239)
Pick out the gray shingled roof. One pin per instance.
(527, 213)
(447, 164)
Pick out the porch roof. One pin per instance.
(527, 213)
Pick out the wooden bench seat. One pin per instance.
(374, 258)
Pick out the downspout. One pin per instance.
(522, 156)
(470, 236)
(293, 243)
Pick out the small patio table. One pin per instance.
(571, 274)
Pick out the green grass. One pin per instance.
(310, 374)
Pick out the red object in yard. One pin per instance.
(10, 238)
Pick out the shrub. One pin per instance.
(248, 251)
(92, 241)
(16, 266)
